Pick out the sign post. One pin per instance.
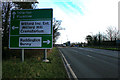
(22, 55)
(45, 56)
(31, 29)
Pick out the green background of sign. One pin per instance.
(37, 15)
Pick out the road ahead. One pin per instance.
(92, 63)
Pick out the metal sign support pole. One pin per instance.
(22, 55)
(45, 56)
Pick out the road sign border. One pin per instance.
(31, 48)
(49, 35)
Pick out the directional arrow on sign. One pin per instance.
(14, 14)
(48, 41)
(13, 27)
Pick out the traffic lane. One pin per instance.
(102, 51)
(86, 61)
(100, 57)
(113, 62)
(81, 70)
(89, 67)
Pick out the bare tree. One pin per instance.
(104, 37)
(116, 33)
(110, 33)
(56, 27)
(89, 39)
(6, 7)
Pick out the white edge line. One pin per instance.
(65, 66)
(73, 74)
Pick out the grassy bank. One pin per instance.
(34, 67)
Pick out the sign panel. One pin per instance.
(31, 29)
(30, 41)
(35, 27)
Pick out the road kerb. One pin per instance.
(68, 66)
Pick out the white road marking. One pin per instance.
(74, 51)
(86, 49)
(89, 56)
(68, 65)
(86, 55)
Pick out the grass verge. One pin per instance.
(34, 67)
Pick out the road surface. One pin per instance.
(92, 63)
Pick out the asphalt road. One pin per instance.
(92, 63)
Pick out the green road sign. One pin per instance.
(31, 29)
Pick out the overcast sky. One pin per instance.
(82, 17)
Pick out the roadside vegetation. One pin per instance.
(103, 40)
(34, 67)
(107, 40)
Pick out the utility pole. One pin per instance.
(99, 39)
